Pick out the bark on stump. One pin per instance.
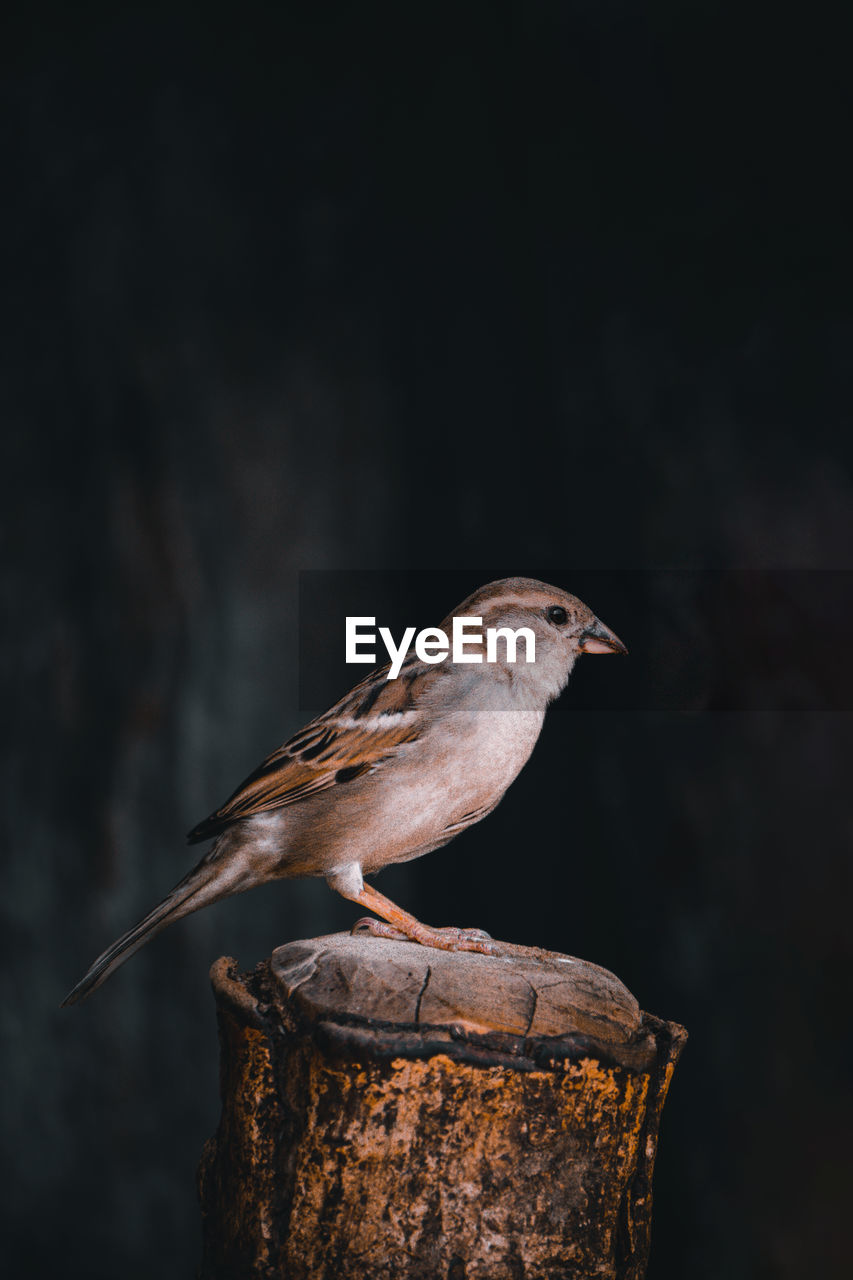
(396, 1113)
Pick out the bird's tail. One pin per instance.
(206, 883)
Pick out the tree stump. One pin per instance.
(394, 1112)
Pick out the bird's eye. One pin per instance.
(557, 614)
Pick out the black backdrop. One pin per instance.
(555, 289)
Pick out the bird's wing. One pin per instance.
(363, 730)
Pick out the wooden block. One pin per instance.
(397, 1112)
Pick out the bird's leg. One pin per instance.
(406, 926)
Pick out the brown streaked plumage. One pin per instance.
(396, 769)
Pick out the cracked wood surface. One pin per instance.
(409, 1114)
(521, 991)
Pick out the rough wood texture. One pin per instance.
(400, 1113)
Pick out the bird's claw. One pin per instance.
(449, 938)
(379, 929)
(464, 935)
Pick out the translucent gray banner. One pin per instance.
(698, 640)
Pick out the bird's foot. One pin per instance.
(379, 929)
(449, 938)
(456, 936)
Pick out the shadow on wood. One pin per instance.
(399, 1113)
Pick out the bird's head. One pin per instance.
(563, 627)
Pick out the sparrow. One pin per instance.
(395, 769)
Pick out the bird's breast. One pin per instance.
(485, 750)
(452, 779)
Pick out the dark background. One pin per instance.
(555, 289)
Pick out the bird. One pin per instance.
(394, 770)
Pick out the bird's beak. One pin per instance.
(600, 639)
